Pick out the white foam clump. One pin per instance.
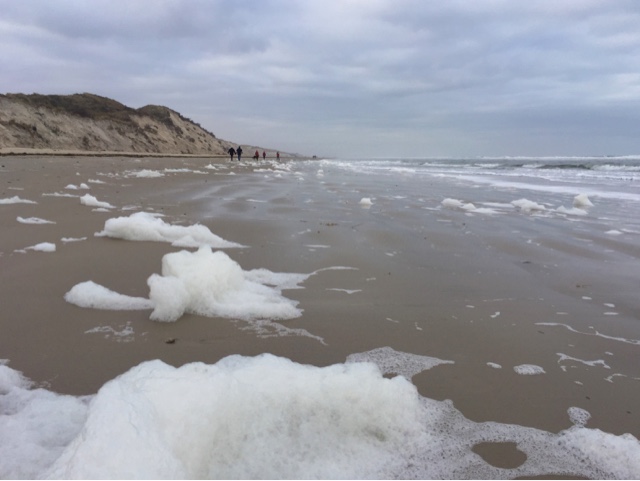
(205, 283)
(582, 201)
(180, 171)
(33, 220)
(578, 416)
(528, 369)
(467, 207)
(145, 174)
(91, 201)
(366, 202)
(35, 425)
(77, 187)
(214, 285)
(571, 211)
(90, 294)
(269, 417)
(72, 239)
(42, 247)
(393, 362)
(144, 226)
(617, 456)
(528, 206)
(244, 418)
(457, 204)
(60, 194)
(16, 200)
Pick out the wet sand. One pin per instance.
(468, 289)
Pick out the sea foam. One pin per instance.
(581, 201)
(528, 206)
(247, 418)
(528, 369)
(42, 247)
(90, 294)
(91, 201)
(214, 285)
(203, 282)
(269, 417)
(33, 220)
(16, 200)
(143, 226)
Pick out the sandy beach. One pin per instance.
(485, 295)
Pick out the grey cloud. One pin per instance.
(335, 71)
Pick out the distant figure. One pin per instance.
(256, 156)
(264, 155)
(278, 155)
(232, 152)
(239, 152)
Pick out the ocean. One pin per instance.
(349, 318)
(603, 177)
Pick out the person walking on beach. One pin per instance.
(264, 155)
(277, 155)
(239, 152)
(232, 152)
(256, 156)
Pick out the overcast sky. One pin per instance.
(351, 78)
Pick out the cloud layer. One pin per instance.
(350, 77)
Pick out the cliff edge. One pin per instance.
(88, 122)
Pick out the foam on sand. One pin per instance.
(528, 369)
(143, 226)
(35, 426)
(41, 247)
(581, 204)
(469, 207)
(571, 211)
(90, 294)
(72, 239)
(214, 285)
(144, 174)
(91, 201)
(33, 220)
(77, 187)
(581, 201)
(16, 200)
(397, 363)
(263, 417)
(205, 283)
(528, 206)
(458, 204)
(269, 417)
